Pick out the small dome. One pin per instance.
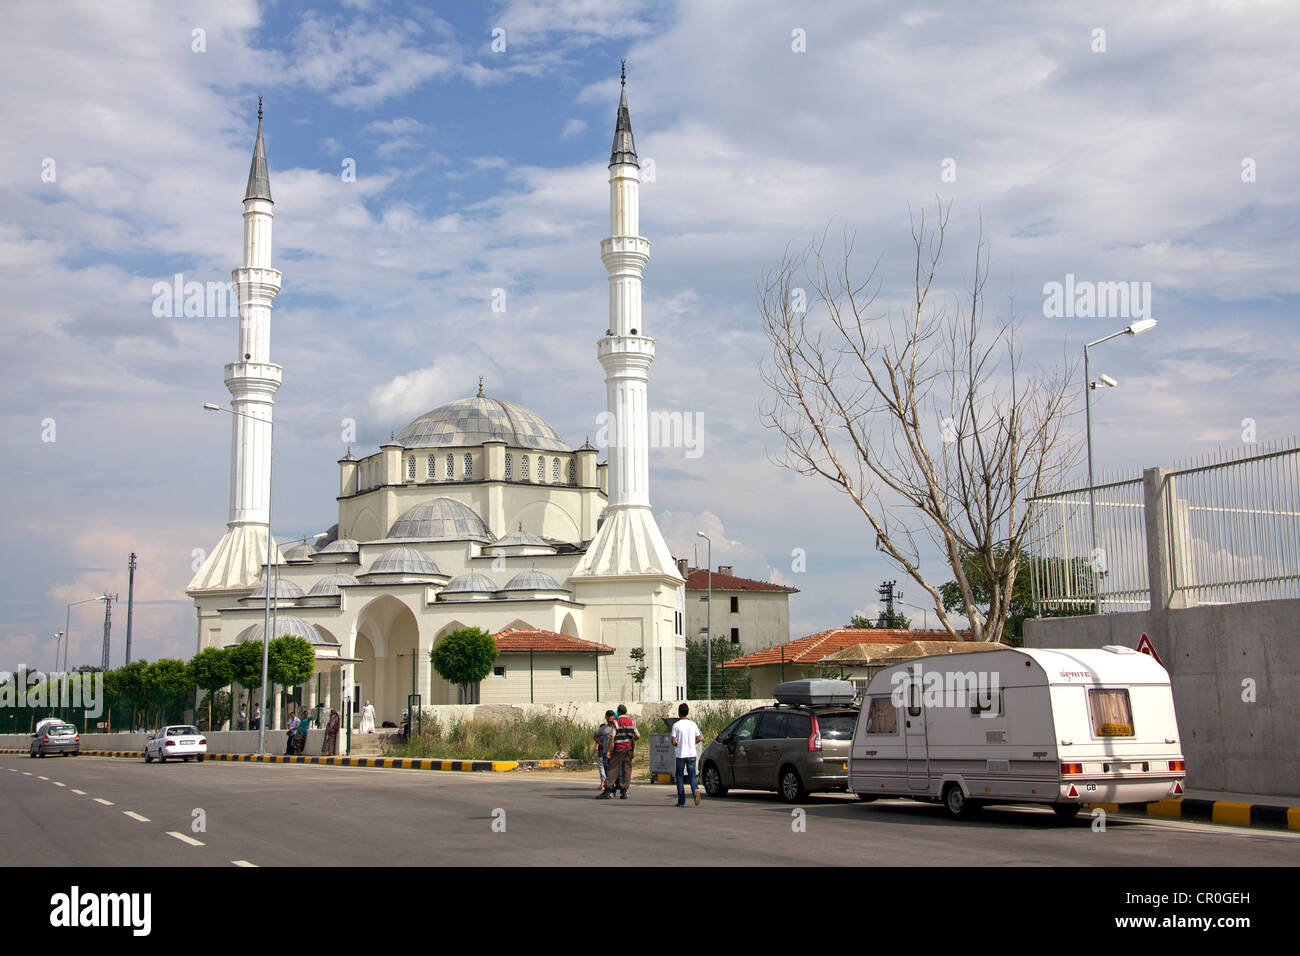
(472, 421)
(329, 586)
(471, 582)
(294, 626)
(520, 539)
(532, 580)
(403, 561)
(442, 519)
(341, 546)
(284, 589)
(301, 551)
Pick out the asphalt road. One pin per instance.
(130, 813)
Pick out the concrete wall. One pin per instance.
(1215, 654)
(228, 742)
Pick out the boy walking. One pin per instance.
(686, 740)
(620, 761)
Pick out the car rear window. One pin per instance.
(180, 731)
(837, 726)
(62, 731)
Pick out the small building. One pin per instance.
(802, 657)
(543, 667)
(751, 615)
(861, 662)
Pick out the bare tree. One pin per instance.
(926, 420)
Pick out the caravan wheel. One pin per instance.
(956, 803)
(1067, 811)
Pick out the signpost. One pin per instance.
(1146, 647)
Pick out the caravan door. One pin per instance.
(915, 741)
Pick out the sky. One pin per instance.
(424, 155)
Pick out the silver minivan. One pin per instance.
(795, 749)
(55, 738)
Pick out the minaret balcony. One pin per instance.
(626, 251)
(635, 348)
(254, 376)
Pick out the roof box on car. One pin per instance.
(813, 693)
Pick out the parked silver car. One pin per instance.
(794, 749)
(55, 738)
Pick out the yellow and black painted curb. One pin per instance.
(1215, 811)
(394, 763)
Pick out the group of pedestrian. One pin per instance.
(297, 737)
(616, 744)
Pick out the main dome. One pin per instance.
(472, 421)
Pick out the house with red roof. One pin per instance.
(749, 614)
(800, 658)
(543, 667)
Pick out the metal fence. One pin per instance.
(1235, 528)
(1229, 532)
(1088, 551)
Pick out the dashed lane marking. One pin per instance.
(243, 863)
(81, 793)
(185, 839)
(135, 816)
(57, 784)
(107, 803)
(39, 777)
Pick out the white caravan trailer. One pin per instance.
(1019, 725)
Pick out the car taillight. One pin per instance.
(815, 738)
(77, 738)
(45, 739)
(203, 740)
(1178, 765)
(170, 743)
(1071, 768)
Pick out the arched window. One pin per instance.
(510, 466)
(573, 472)
(469, 465)
(432, 469)
(555, 471)
(410, 468)
(524, 475)
(451, 471)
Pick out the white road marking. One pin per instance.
(27, 773)
(107, 803)
(185, 839)
(81, 792)
(243, 863)
(39, 777)
(135, 816)
(57, 784)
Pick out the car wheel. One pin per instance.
(958, 806)
(162, 757)
(199, 758)
(1067, 811)
(42, 753)
(148, 757)
(792, 788)
(713, 781)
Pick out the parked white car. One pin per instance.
(179, 741)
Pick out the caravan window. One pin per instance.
(914, 699)
(1111, 712)
(883, 716)
(986, 705)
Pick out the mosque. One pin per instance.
(476, 514)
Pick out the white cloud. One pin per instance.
(572, 128)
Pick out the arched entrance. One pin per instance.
(390, 630)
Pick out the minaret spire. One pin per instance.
(629, 541)
(253, 379)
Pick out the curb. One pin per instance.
(1215, 811)
(393, 763)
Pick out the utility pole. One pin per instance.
(886, 593)
(108, 625)
(130, 603)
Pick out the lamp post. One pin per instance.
(58, 636)
(67, 624)
(1136, 328)
(266, 622)
(708, 620)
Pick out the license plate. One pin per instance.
(186, 743)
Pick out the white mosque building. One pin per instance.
(478, 513)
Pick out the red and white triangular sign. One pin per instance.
(1145, 647)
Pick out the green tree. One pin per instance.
(217, 704)
(290, 661)
(1021, 605)
(728, 682)
(132, 689)
(246, 664)
(859, 622)
(212, 670)
(896, 620)
(638, 669)
(464, 657)
(165, 680)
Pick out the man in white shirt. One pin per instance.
(686, 740)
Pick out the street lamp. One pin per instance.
(266, 623)
(58, 636)
(708, 621)
(1135, 328)
(67, 625)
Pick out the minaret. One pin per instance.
(253, 380)
(629, 541)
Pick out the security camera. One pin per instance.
(1104, 381)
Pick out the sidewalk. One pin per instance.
(1216, 806)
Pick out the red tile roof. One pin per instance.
(810, 649)
(514, 640)
(698, 580)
